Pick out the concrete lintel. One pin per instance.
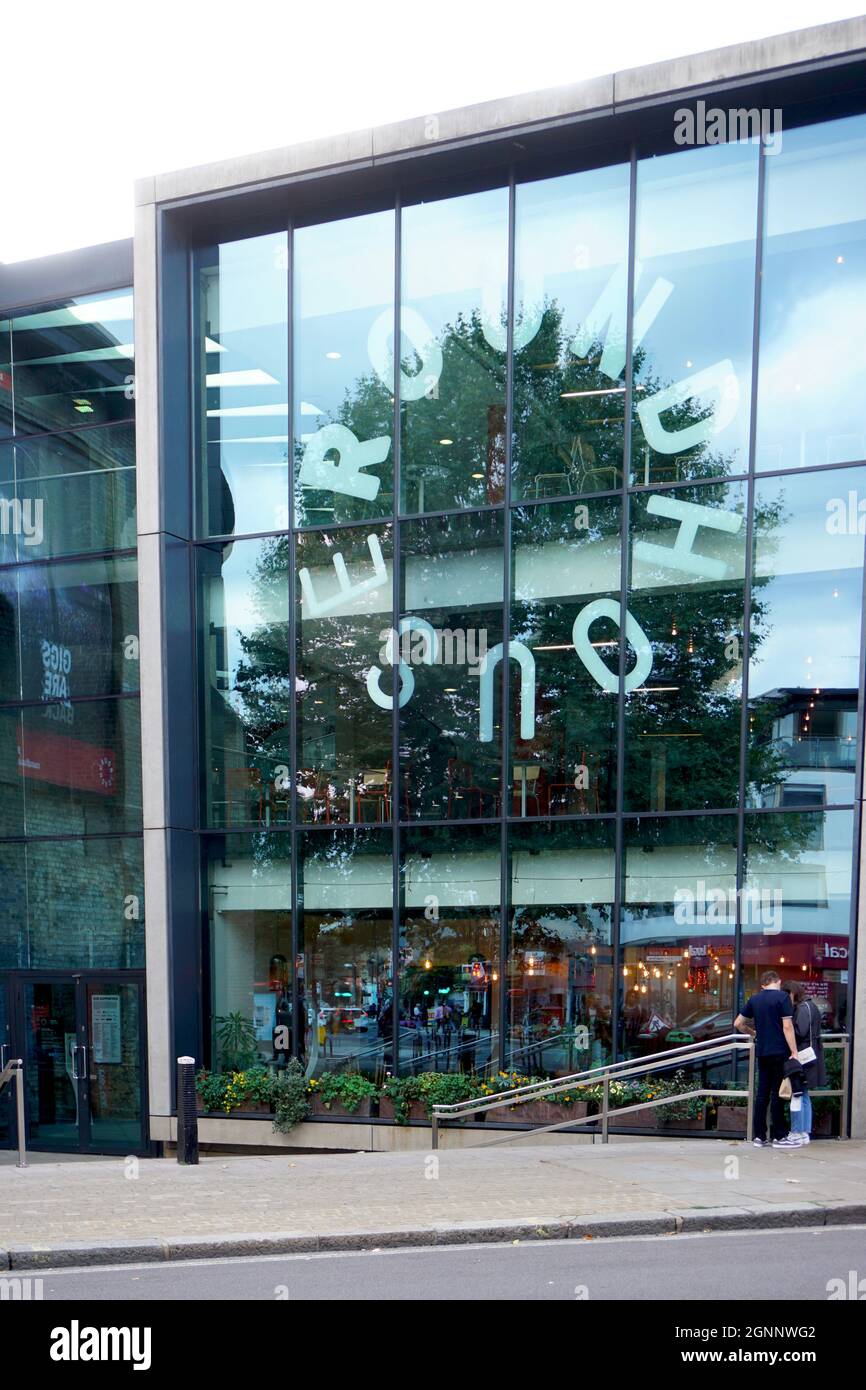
(779, 52)
(740, 60)
(504, 113)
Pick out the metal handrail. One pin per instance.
(15, 1067)
(627, 1069)
(591, 1075)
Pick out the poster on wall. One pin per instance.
(105, 1028)
(264, 1016)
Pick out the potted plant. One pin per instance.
(400, 1100)
(236, 1041)
(340, 1094)
(732, 1114)
(291, 1106)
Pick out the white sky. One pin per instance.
(95, 96)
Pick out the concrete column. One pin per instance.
(151, 630)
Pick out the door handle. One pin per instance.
(84, 1059)
(3, 1047)
(72, 1059)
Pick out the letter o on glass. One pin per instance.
(602, 674)
(421, 336)
(381, 697)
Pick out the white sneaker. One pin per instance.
(793, 1141)
(806, 1138)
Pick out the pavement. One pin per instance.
(130, 1210)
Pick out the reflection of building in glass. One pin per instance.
(597, 402)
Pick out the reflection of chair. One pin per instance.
(246, 784)
(524, 778)
(314, 792)
(587, 797)
(463, 787)
(374, 786)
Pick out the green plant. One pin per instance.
(346, 1088)
(290, 1097)
(236, 1037)
(445, 1088)
(658, 1087)
(211, 1087)
(401, 1091)
(233, 1090)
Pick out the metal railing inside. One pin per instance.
(631, 1069)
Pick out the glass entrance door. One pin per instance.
(114, 1065)
(84, 1066)
(51, 1057)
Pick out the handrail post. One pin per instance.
(843, 1117)
(605, 1103)
(19, 1111)
(750, 1103)
(434, 1128)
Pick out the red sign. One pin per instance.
(66, 762)
(5, 381)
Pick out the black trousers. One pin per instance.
(770, 1075)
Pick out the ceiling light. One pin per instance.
(446, 441)
(333, 356)
(83, 407)
(478, 475)
(840, 260)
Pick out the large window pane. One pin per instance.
(812, 373)
(679, 916)
(693, 313)
(346, 892)
(683, 706)
(242, 354)
(344, 369)
(244, 645)
(79, 766)
(451, 672)
(797, 906)
(69, 630)
(566, 580)
(570, 332)
(248, 887)
(560, 961)
(344, 706)
(68, 494)
(85, 904)
(804, 659)
(452, 351)
(69, 363)
(449, 949)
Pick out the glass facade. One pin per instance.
(70, 738)
(533, 739)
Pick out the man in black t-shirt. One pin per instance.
(769, 1016)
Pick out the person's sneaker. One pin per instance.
(806, 1138)
(793, 1141)
(759, 1143)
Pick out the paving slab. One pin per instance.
(58, 1211)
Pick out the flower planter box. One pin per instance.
(417, 1111)
(544, 1112)
(732, 1117)
(247, 1107)
(646, 1118)
(688, 1122)
(336, 1111)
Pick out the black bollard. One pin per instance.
(187, 1119)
